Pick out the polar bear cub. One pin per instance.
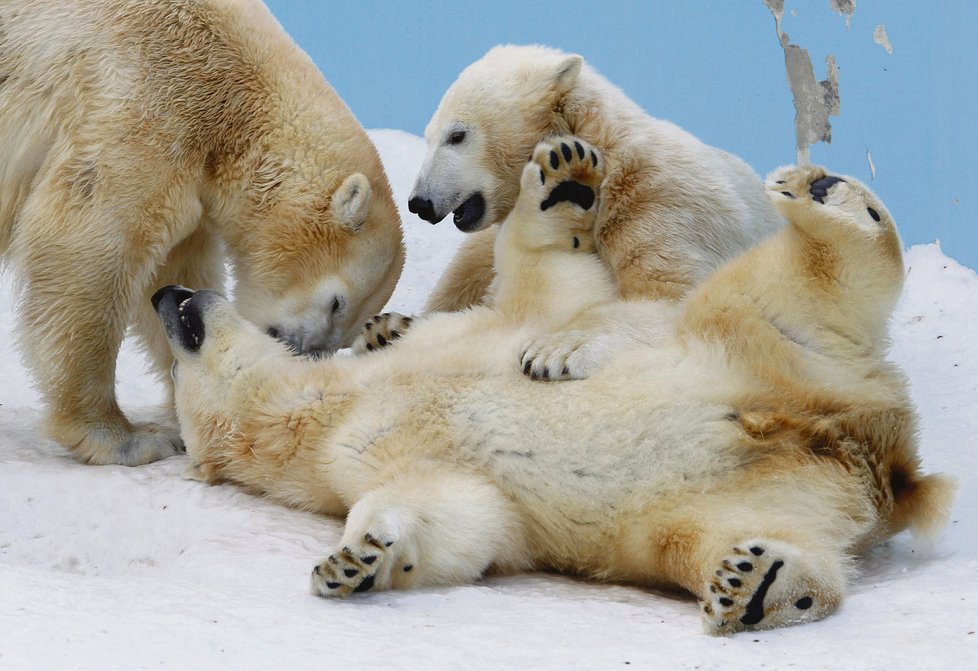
(676, 208)
(743, 447)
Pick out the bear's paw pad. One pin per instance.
(564, 169)
(812, 187)
(757, 586)
(359, 567)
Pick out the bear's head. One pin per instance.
(485, 128)
(321, 253)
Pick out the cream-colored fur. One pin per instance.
(742, 446)
(674, 208)
(143, 142)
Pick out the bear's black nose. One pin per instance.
(424, 209)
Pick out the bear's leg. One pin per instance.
(763, 550)
(438, 527)
(197, 262)
(82, 271)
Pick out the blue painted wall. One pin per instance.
(713, 67)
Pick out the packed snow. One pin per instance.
(129, 568)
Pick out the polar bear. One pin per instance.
(145, 141)
(743, 448)
(675, 209)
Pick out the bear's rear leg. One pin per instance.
(439, 527)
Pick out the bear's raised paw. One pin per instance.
(561, 184)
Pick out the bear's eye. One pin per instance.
(456, 137)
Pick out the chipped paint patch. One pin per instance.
(846, 7)
(882, 39)
(814, 100)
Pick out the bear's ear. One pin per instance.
(351, 201)
(566, 74)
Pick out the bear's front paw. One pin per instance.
(570, 355)
(144, 443)
(380, 331)
(560, 186)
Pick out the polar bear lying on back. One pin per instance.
(743, 447)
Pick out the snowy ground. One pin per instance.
(130, 568)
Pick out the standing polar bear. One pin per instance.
(743, 448)
(674, 208)
(142, 141)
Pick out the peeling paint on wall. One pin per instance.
(882, 39)
(847, 7)
(814, 100)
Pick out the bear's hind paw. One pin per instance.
(763, 584)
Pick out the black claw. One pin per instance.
(381, 340)
(527, 366)
(543, 177)
(332, 585)
(734, 582)
(368, 560)
(370, 348)
(757, 551)
(554, 160)
(565, 372)
(726, 602)
(368, 326)
(350, 572)
(408, 568)
(577, 243)
(315, 569)
(780, 181)
(745, 566)
(565, 150)
(395, 335)
(594, 159)
(580, 150)
(873, 213)
(789, 194)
